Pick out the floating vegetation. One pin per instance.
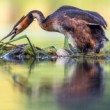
(27, 51)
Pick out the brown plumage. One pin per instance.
(84, 85)
(83, 28)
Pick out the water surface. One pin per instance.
(58, 84)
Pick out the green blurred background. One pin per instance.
(12, 10)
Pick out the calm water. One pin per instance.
(61, 84)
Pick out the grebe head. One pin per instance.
(20, 26)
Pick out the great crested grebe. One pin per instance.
(83, 28)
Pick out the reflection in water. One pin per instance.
(83, 88)
(22, 84)
(62, 84)
(82, 85)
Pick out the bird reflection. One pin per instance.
(83, 86)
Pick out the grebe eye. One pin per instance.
(16, 29)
